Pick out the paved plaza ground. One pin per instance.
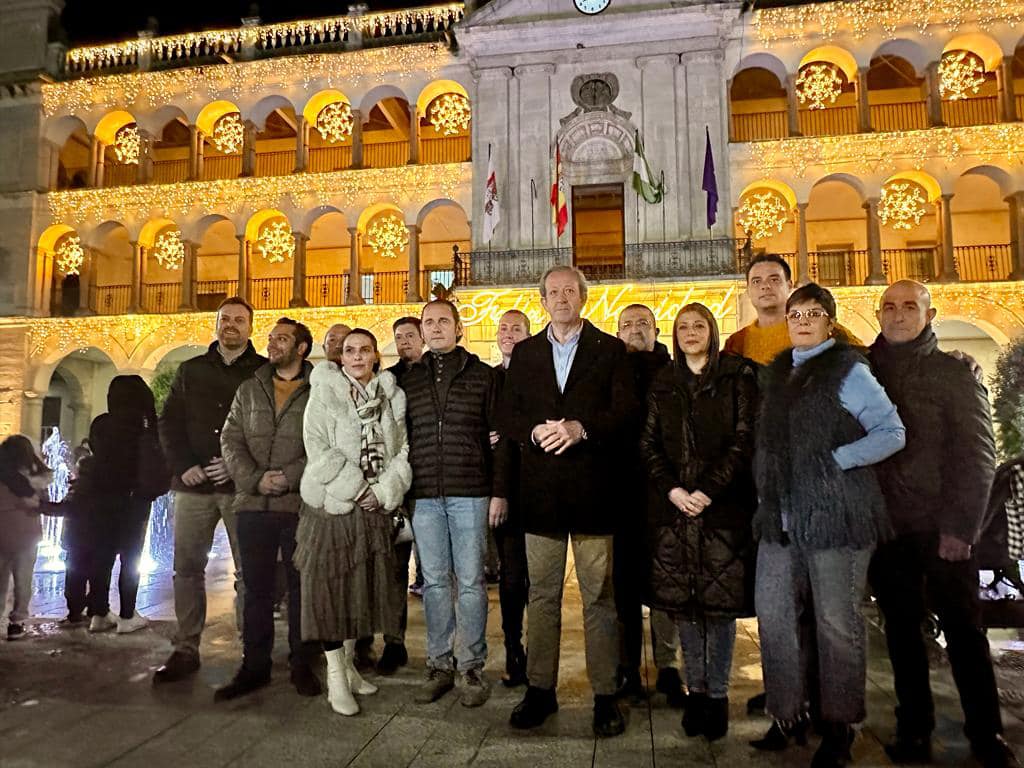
(68, 698)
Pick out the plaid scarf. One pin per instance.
(369, 403)
(1015, 513)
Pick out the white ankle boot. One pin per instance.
(339, 691)
(355, 680)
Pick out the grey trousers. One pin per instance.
(546, 557)
(833, 580)
(17, 566)
(195, 518)
(665, 639)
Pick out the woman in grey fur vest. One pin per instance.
(356, 476)
(823, 422)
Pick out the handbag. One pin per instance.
(401, 532)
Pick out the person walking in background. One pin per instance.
(23, 481)
(824, 421)
(190, 427)
(356, 477)
(698, 445)
(263, 449)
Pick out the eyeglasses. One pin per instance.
(794, 316)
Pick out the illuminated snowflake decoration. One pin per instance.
(902, 204)
(388, 237)
(762, 214)
(450, 114)
(70, 255)
(276, 242)
(127, 146)
(229, 134)
(334, 123)
(819, 85)
(169, 250)
(961, 74)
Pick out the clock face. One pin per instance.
(591, 7)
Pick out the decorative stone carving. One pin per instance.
(594, 93)
(597, 147)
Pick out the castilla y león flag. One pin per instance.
(559, 206)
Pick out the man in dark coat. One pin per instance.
(190, 428)
(638, 329)
(936, 492)
(567, 401)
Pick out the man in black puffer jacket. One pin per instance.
(936, 492)
(458, 488)
(190, 428)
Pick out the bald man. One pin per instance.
(936, 491)
(334, 339)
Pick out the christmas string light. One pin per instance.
(127, 144)
(229, 134)
(762, 213)
(276, 242)
(169, 250)
(902, 204)
(69, 254)
(450, 114)
(961, 73)
(819, 84)
(388, 237)
(334, 122)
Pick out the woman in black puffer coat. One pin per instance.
(698, 444)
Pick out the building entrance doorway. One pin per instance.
(599, 231)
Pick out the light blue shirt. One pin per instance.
(563, 353)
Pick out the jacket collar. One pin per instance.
(925, 343)
(265, 373)
(327, 375)
(213, 353)
(590, 341)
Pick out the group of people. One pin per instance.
(775, 476)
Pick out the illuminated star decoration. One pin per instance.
(819, 84)
(902, 204)
(127, 145)
(70, 255)
(276, 242)
(450, 114)
(334, 123)
(961, 73)
(228, 134)
(762, 213)
(169, 250)
(388, 237)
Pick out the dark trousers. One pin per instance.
(514, 584)
(260, 536)
(909, 578)
(627, 577)
(125, 543)
(402, 554)
(77, 569)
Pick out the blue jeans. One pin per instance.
(707, 652)
(451, 537)
(788, 577)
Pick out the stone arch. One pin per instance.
(437, 88)
(155, 122)
(849, 180)
(980, 44)
(378, 93)
(262, 109)
(212, 112)
(833, 54)
(765, 61)
(433, 205)
(996, 174)
(111, 123)
(910, 51)
(59, 129)
(597, 146)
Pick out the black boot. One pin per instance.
(695, 716)
(907, 749)
(756, 704)
(178, 666)
(305, 681)
(716, 718)
(245, 682)
(670, 684)
(534, 709)
(393, 657)
(515, 666)
(834, 751)
(780, 735)
(994, 753)
(608, 720)
(365, 659)
(631, 685)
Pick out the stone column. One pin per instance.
(195, 153)
(1016, 203)
(354, 295)
(32, 413)
(187, 302)
(492, 118)
(96, 162)
(299, 271)
(85, 279)
(1007, 95)
(414, 134)
(50, 162)
(532, 157)
(706, 107)
(863, 107)
(413, 294)
(793, 106)
(934, 99)
(243, 266)
(301, 144)
(948, 274)
(138, 266)
(357, 138)
(802, 258)
(249, 148)
(876, 272)
(144, 172)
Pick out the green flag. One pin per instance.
(643, 181)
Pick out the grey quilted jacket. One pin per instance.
(256, 439)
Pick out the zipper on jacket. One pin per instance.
(440, 420)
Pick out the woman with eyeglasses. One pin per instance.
(824, 421)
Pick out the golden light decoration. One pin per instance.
(169, 250)
(819, 84)
(229, 134)
(450, 114)
(763, 213)
(902, 204)
(334, 122)
(961, 74)
(388, 237)
(276, 241)
(70, 255)
(127, 144)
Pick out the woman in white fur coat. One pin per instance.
(357, 474)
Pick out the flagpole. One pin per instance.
(489, 165)
(533, 206)
(663, 192)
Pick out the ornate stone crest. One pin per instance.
(594, 93)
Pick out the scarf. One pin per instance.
(369, 403)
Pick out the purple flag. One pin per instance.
(710, 183)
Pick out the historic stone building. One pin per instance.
(335, 168)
